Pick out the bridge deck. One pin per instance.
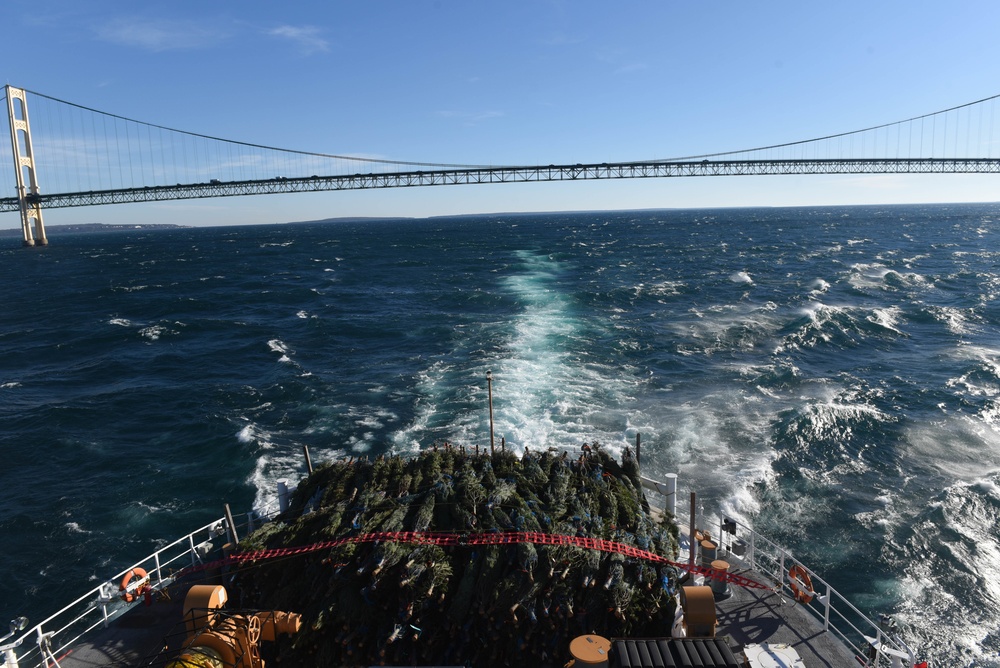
(511, 174)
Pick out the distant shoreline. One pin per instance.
(93, 227)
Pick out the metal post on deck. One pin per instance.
(489, 390)
(827, 606)
(232, 525)
(691, 538)
(670, 495)
(781, 571)
(282, 496)
(9, 656)
(309, 461)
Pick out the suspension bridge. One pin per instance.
(90, 157)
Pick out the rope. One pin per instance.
(478, 539)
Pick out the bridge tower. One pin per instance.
(24, 166)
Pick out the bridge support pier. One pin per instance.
(24, 167)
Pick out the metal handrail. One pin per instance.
(855, 629)
(101, 605)
(835, 613)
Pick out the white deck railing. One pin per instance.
(870, 644)
(39, 646)
(57, 634)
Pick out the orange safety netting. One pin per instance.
(489, 538)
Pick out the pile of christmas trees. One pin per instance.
(396, 603)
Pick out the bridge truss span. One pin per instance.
(522, 174)
(88, 157)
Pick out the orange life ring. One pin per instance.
(140, 575)
(801, 584)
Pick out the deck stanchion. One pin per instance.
(282, 496)
(826, 607)
(691, 538)
(232, 525)
(670, 494)
(489, 390)
(781, 572)
(191, 551)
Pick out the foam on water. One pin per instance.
(958, 447)
(551, 392)
(948, 598)
(724, 327)
(818, 287)
(741, 277)
(545, 393)
(887, 318)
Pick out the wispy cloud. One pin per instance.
(306, 38)
(160, 35)
(620, 61)
(469, 118)
(562, 39)
(631, 67)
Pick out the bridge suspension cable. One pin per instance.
(90, 150)
(958, 123)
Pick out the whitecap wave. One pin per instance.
(278, 346)
(153, 332)
(948, 553)
(818, 287)
(741, 277)
(741, 326)
(886, 318)
(955, 319)
(960, 448)
(877, 276)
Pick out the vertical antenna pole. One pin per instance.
(692, 541)
(489, 388)
(309, 461)
(232, 525)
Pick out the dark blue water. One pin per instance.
(829, 375)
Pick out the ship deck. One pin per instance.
(758, 616)
(143, 636)
(747, 616)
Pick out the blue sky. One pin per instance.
(513, 83)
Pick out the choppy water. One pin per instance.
(829, 375)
